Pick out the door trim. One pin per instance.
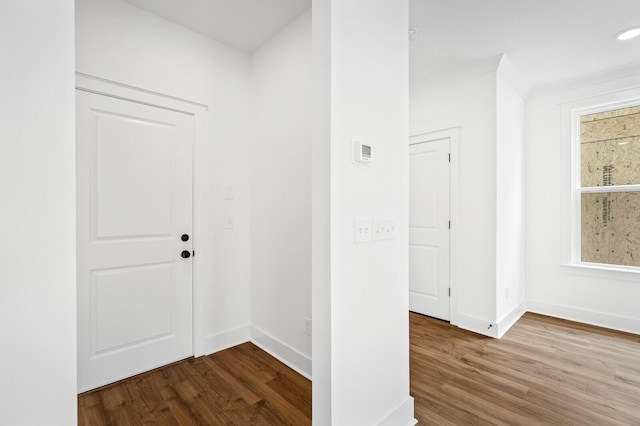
(102, 86)
(453, 134)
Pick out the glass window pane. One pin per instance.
(610, 148)
(611, 228)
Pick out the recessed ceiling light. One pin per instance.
(629, 33)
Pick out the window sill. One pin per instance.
(601, 270)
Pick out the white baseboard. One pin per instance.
(478, 325)
(630, 325)
(401, 416)
(490, 328)
(282, 352)
(509, 320)
(226, 339)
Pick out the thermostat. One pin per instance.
(361, 152)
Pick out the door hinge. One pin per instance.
(449, 291)
(449, 224)
(449, 157)
(194, 253)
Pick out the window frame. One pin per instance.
(577, 190)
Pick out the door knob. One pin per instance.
(185, 254)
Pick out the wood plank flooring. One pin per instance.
(239, 386)
(544, 371)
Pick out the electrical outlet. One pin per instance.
(307, 326)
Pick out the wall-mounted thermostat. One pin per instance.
(361, 152)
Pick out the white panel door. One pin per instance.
(429, 228)
(134, 204)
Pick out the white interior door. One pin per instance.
(429, 228)
(134, 204)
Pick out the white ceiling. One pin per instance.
(547, 40)
(243, 24)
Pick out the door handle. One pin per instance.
(185, 254)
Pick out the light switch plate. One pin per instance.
(384, 228)
(363, 230)
(229, 193)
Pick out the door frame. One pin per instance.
(101, 86)
(453, 134)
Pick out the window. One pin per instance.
(608, 185)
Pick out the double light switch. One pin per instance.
(376, 229)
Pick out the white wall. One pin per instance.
(486, 103)
(509, 194)
(471, 104)
(37, 195)
(368, 326)
(606, 298)
(281, 194)
(322, 384)
(119, 42)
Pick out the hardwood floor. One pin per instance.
(544, 371)
(239, 386)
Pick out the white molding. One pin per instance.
(611, 188)
(603, 271)
(585, 86)
(401, 416)
(281, 351)
(491, 328)
(225, 340)
(599, 319)
(499, 329)
(478, 325)
(510, 319)
(103, 86)
(497, 64)
(512, 76)
(571, 110)
(455, 239)
(477, 69)
(93, 84)
(433, 135)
